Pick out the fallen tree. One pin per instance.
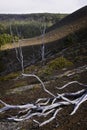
(45, 107)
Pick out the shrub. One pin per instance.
(6, 38)
(58, 63)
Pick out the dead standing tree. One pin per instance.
(45, 107)
(43, 30)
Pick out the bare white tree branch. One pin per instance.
(45, 106)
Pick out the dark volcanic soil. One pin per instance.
(63, 120)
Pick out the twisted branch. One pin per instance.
(47, 106)
(44, 107)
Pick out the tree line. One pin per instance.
(25, 25)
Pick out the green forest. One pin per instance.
(25, 25)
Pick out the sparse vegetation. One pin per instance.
(64, 63)
(20, 84)
(9, 76)
(56, 64)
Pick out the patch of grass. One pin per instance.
(56, 64)
(9, 76)
(21, 83)
(31, 69)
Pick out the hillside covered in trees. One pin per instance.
(25, 25)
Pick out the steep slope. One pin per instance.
(69, 19)
(72, 33)
(67, 42)
(75, 22)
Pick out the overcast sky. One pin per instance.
(39, 6)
